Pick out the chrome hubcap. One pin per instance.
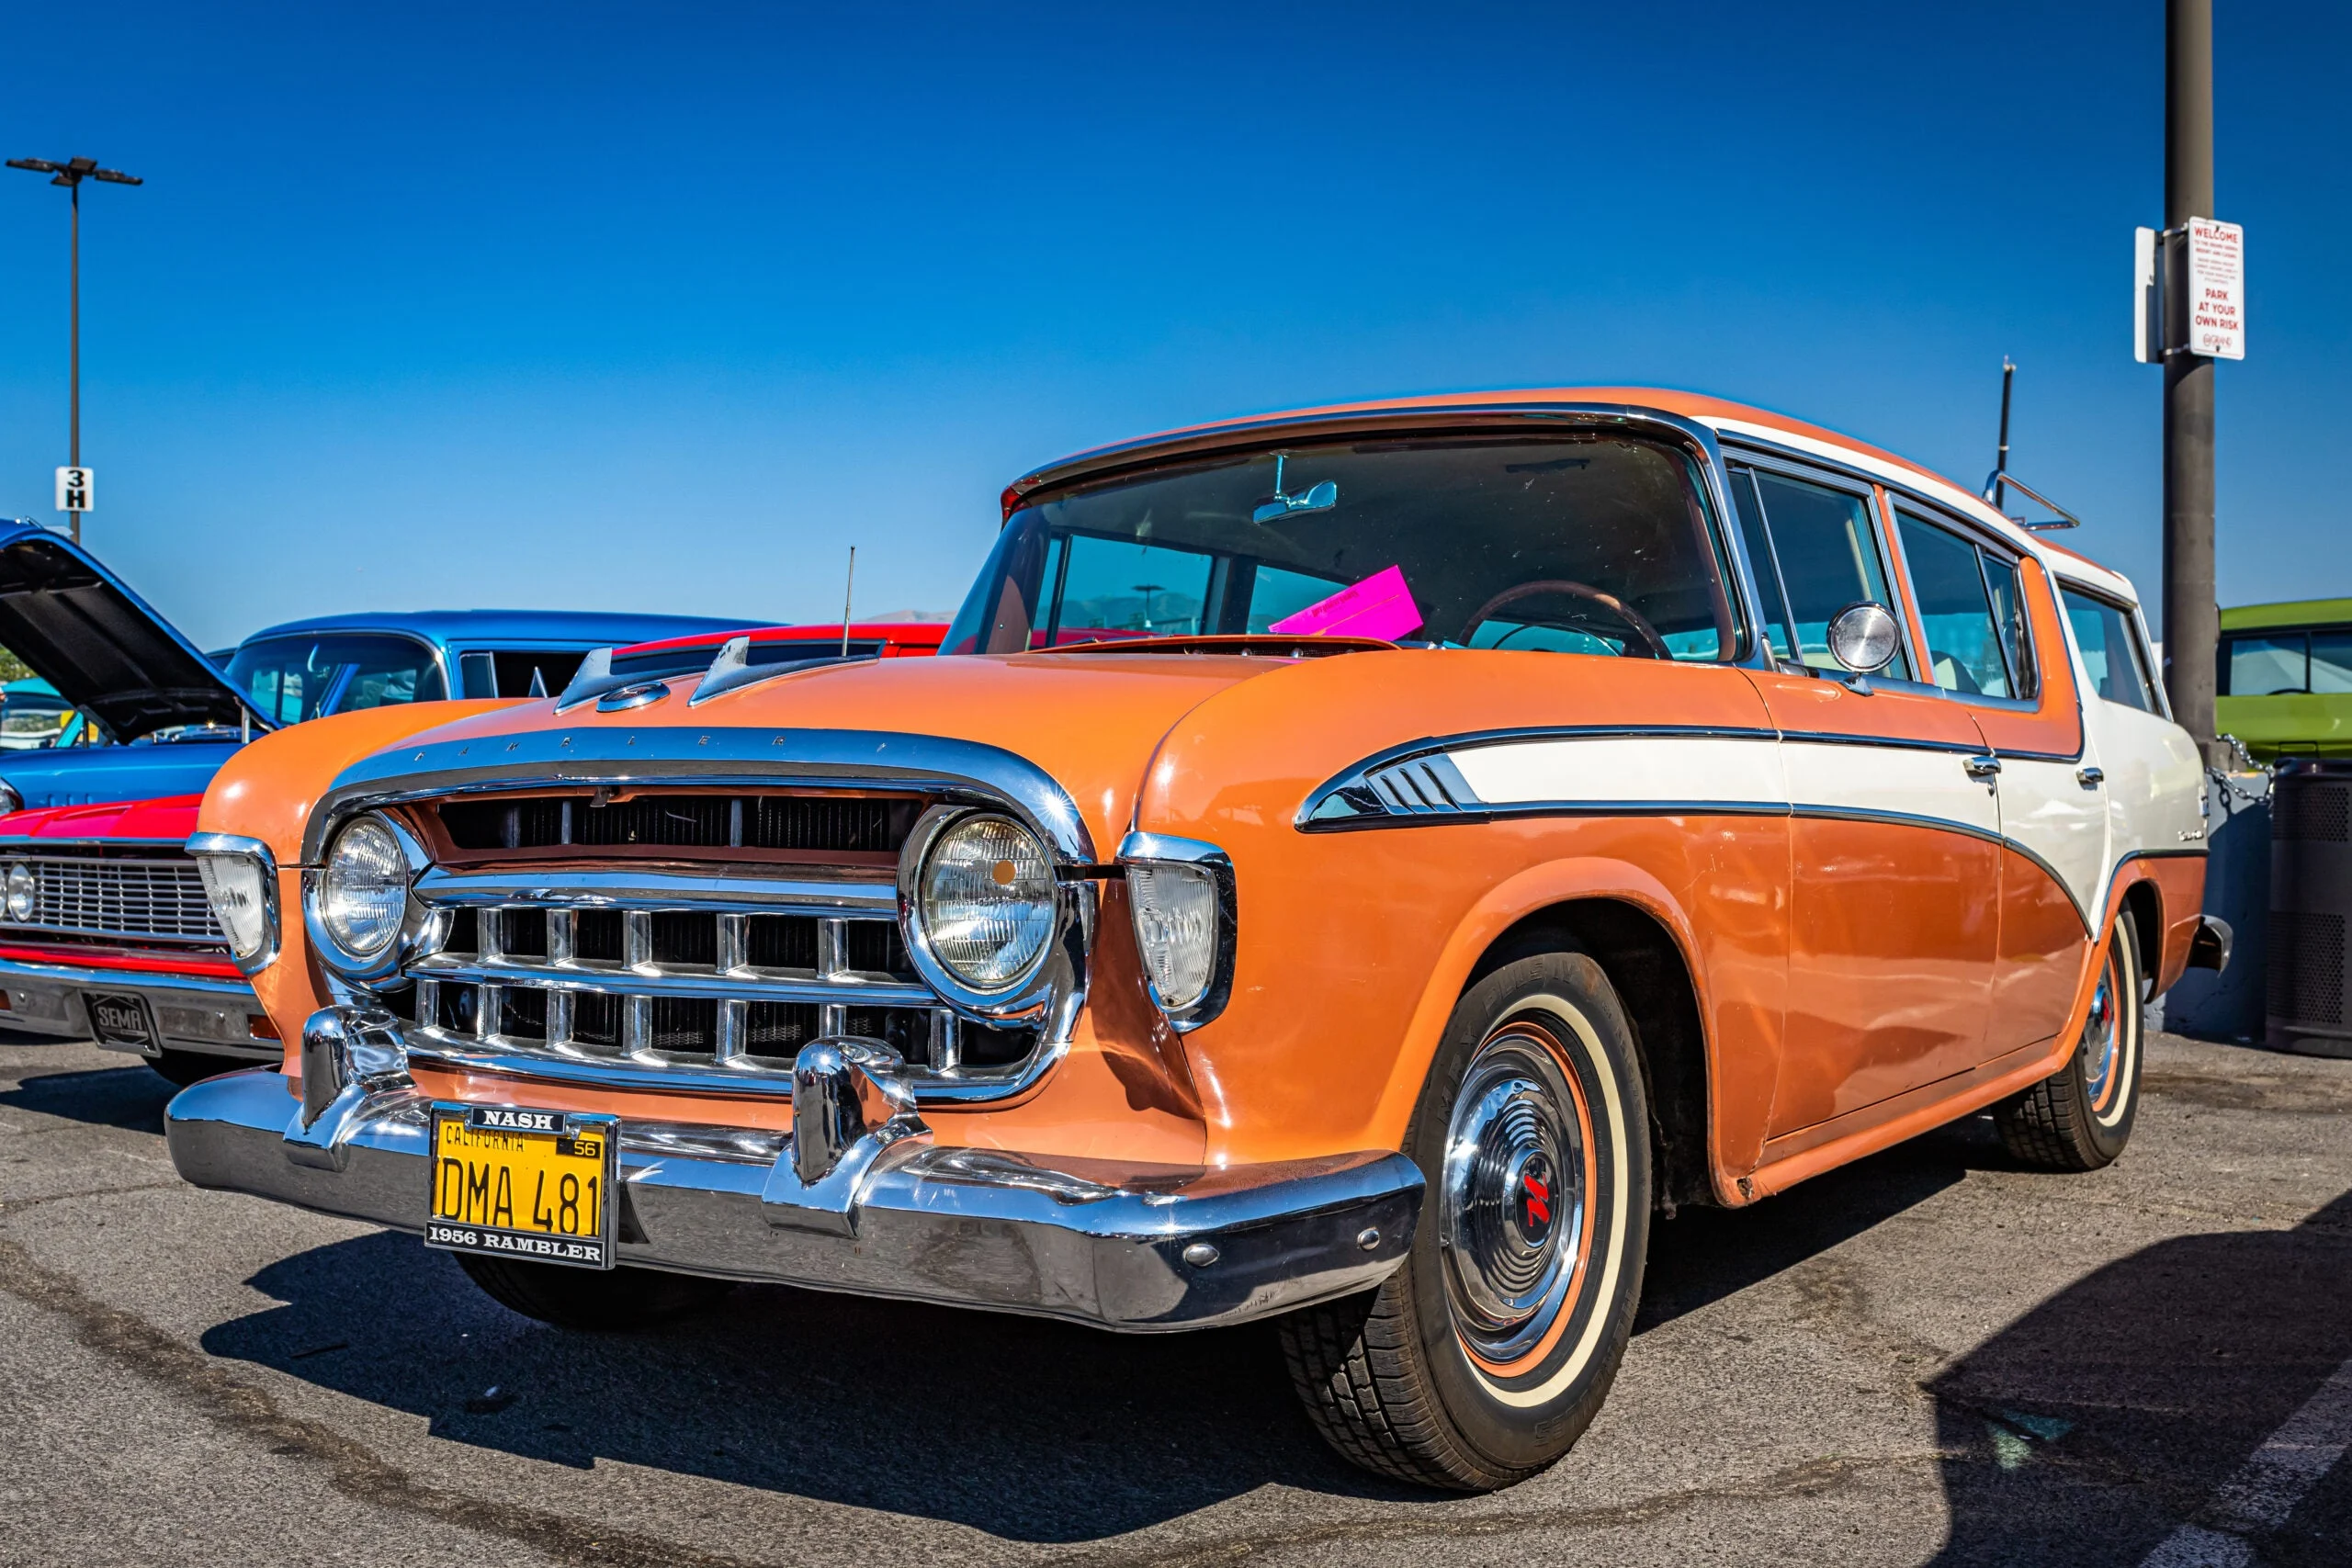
(1512, 1205)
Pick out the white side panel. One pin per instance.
(2046, 807)
(1896, 780)
(1632, 769)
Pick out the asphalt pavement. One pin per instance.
(1933, 1357)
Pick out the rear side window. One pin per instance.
(1972, 610)
(2111, 651)
(1814, 553)
(535, 673)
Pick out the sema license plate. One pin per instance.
(120, 1020)
(527, 1184)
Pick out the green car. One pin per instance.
(2286, 678)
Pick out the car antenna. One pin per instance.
(846, 587)
(1998, 483)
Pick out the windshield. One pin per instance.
(289, 679)
(1574, 544)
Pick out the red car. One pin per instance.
(115, 931)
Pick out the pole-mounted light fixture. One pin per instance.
(71, 173)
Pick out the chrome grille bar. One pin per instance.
(149, 900)
(573, 981)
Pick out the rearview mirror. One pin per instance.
(1862, 637)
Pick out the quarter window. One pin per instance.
(1814, 553)
(2111, 650)
(1973, 611)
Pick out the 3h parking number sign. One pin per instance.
(78, 490)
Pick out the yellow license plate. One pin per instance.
(513, 1183)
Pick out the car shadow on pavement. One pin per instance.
(131, 1096)
(1028, 1429)
(2085, 1431)
(1700, 1256)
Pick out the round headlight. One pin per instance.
(20, 891)
(985, 900)
(364, 891)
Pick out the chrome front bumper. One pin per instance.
(1137, 1250)
(192, 1013)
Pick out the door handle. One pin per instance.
(2090, 777)
(1983, 767)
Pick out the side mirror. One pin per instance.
(1863, 636)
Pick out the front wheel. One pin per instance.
(1484, 1357)
(185, 1067)
(592, 1299)
(2080, 1117)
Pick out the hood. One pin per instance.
(104, 648)
(79, 775)
(1091, 721)
(168, 820)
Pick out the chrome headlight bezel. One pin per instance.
(11, 799)
(1195, 857)
(386, 961)
(1027, 994)
(207, 847)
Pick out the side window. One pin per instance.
(1115, 585)
(2266, 664)
(1818, 555)
(2111, 650)
(534, 672)
(1970, 609)
(477, 676)
(2332, 660)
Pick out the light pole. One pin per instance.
(71, 173)
(2192, 617)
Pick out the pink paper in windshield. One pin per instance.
(1381, 606)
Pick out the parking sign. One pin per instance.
(76, 489)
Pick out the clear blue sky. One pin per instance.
(664, 307)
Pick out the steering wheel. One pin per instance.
(1653, 646)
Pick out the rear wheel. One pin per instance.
(1484, 1357)
(587, 1298)
(185, 1067)
(2080, 1117)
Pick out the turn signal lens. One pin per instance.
(986, 901)
(19, 893)
(1175, 916)
(364, 891)
(234, 886)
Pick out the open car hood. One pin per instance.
(105, 648)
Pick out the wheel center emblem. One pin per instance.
(1534, 1199)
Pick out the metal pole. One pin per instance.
(2192, 613)
(74, 353)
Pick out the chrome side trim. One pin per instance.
(1135, 1248)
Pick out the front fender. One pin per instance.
(266, 792)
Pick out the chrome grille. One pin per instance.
(588, 977)
(139, 900)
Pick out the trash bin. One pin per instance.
(2311, 906)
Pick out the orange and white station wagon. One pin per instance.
(1352, 868)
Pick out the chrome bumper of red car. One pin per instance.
(186, 1012)
(1138, 1249)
